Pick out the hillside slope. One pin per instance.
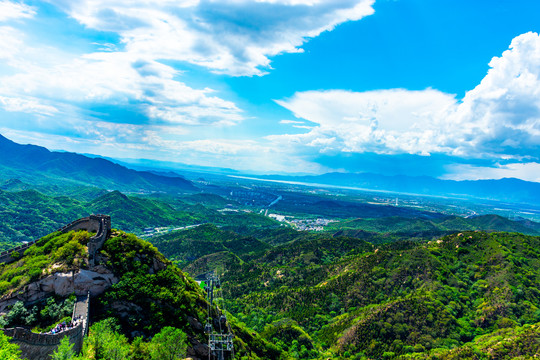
(35, 164)
(401, 299)
(131, 282)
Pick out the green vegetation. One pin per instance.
(41, 316)
(132, 213)
(152, 297)
(371, 288)
(29, 214)
(64, 251)
(520, 342)
(8, 351)
(396, 300)
(168, 344)
(64, 351)
(435, 227)
(208, 200)
(188, 245)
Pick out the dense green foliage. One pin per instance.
(411, 299)
(41, 316)
(377, 288)
(64, 351)
(28, 214)
(431, 227)
(188, 245)
(132, 213)
(64, 251)
(153, 294)
(8, 351)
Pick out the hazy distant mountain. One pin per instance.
(36, 164)
(511, 190)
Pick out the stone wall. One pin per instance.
(5, 256)
(100, 224)
(41, 346)
(36, 346)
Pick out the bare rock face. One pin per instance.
(96, 280)
(63, 284)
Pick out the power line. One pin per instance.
(220, 335)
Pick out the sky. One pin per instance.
(446, 88)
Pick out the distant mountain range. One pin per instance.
(507, 189)
(36, 164)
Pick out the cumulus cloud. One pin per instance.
(235, 37)
(500, 118)
(127, 96)
(15, 10)
(385, 121)
(119, 79)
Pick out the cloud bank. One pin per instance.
(233, 37)
(121, 81)
(499, 119)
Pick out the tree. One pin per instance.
(8, 351)
(169, 344)
(18, 314)
(64, 351)
(104, 341)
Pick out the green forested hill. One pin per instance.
(39, 166)
(28, 214)
(412, 299)
(435, 227)
(151, 295)
(188, 245)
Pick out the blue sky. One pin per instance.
(445, 88)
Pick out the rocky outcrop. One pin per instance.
(95, 280)
(82, 282)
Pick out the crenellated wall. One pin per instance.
(100, 224)
(36, 346)
(40, 346)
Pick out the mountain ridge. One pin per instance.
(31, 161)
(505, 189)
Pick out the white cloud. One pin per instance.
(26, 105)
(119, 80)
(15, 10)
(500, 118)
(10, 43)
(235, 37)
(287, 122)
(383, 121)
(524, 171)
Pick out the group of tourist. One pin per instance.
(63, 326)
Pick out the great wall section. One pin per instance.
(40, 346)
